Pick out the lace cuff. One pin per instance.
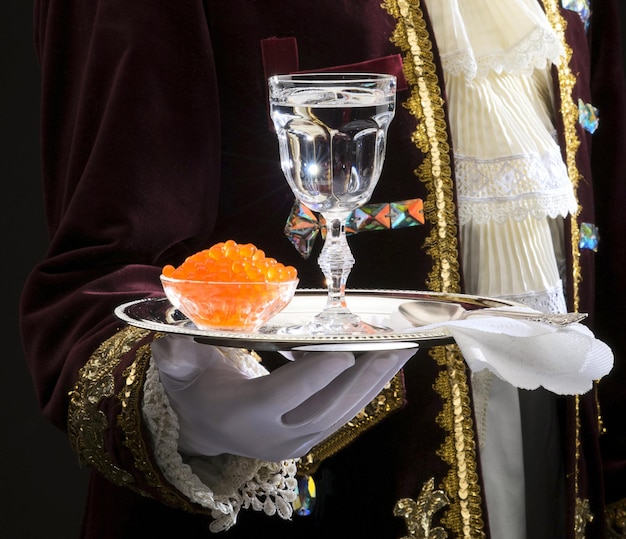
(224, 484)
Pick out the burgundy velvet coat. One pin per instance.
(156, 143)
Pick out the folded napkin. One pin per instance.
(528, 354)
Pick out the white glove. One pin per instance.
(226, 407)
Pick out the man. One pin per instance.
(157, 143)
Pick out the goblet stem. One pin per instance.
(336, 261)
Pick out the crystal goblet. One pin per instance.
(332, 132)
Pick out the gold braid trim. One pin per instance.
(582, 509)
(569, 113)
(431, 138)
(616, 519)
(87, 423)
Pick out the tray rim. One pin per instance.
(269, 341)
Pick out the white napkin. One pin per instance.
(527, 354)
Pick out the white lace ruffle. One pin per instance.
(475, 37)
(537, 50)
(514, 187)
(229, 483)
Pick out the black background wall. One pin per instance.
(42, 487)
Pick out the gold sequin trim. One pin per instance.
(464, 517)
(389, 399)
(87, 423)
(569, 112)
(431, 138)
(418, 514)
(582, 510)
(616, 519)
(601, 425)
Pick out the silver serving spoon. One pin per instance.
(425, 312)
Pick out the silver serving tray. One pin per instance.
(377, 307)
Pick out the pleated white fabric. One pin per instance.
(510, 175)
(508, 164)
(515, 259)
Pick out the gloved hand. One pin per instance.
(272, 417)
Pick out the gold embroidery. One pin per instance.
(464, 517)
(616, 519)
(582, 517)
(87, 423)
(390, 398)
(129, 420)
(418, 515)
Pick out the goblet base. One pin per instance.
(344, 323)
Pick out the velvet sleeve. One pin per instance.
(130, 167)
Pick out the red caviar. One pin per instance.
(230, 286)
(231, 262)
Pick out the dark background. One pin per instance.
(41, 484)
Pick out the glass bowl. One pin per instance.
(228, 306)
